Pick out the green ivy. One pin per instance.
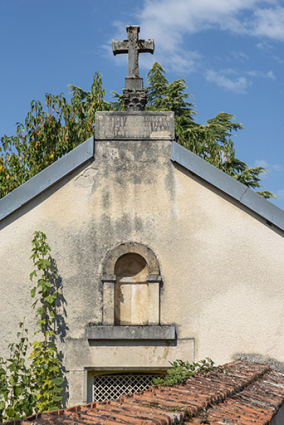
(44, 358)
(29, 385)
(17, 397)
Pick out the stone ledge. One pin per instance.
(166, 332)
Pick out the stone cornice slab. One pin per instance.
(160, 332)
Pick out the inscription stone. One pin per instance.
(134, 126)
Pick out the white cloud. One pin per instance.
(264, 45)
(238, 85)
(269, 74)
(277, 168)
(170, 22)
(280, 193)
(269, 22)
(270, 167)
(278, 59)
(254, 73)
(261, 163)
(240, 56)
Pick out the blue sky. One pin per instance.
(230, 53)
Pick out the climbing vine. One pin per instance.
(44, 358)
(34, 383)
(16, 382)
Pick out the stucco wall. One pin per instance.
(221, 265)
(229, 263)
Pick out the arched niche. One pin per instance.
(127, 248)
(131, 290)
(131, 286)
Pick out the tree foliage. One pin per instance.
(29, 385)
(48, 135)
(212, 141)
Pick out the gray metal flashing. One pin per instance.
(46, 178)
(228, 184)
(82, 153)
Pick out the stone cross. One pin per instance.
(133, 46)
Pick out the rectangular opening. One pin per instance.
(112, 386)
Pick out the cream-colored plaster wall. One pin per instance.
(230, 271)
(222, 266)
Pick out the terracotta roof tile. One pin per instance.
(246, 394)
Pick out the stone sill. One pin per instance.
(151, 332)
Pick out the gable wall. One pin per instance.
(230, 270)
(221, 265)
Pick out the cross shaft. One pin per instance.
(133, 46)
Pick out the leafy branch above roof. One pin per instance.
(48, 134)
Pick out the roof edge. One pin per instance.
(46, 178)
(228, 185)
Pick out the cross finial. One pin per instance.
(133, 46)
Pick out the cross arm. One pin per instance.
(119, 47)
(146, 46)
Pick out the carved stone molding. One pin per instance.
(134, 100)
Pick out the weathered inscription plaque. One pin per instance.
(134, 126)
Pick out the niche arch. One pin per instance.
(126, 248)
(131, 286)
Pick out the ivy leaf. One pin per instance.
(10, 412)
(18, 391)
(32, 274)
(57, 398)
(57, 381)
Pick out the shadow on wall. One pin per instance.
(260, 359)
(60, 326)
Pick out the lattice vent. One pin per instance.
(111, 387)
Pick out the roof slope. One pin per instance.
(245, 394)
(46, 178)
(180, 155)
(228, 185)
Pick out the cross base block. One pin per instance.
(134, 82)
(134, 100)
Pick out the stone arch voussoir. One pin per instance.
(130, 247)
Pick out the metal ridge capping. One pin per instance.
(228, 184)
(46, 178)
(238, 393)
